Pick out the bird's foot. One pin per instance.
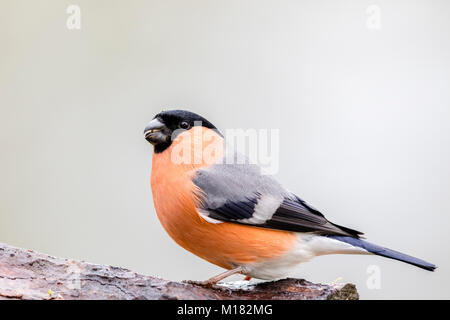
(212, 281)
(205, 283)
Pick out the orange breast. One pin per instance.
(175, 197)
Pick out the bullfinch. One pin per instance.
(221, 207)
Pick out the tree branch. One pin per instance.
(25, 274)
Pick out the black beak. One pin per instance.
(155, 132)
(154, 126)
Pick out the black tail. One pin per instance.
(385, 252)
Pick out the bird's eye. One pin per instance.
(184, 125)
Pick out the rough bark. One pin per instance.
(25, 274)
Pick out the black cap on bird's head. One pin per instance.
(160, 131)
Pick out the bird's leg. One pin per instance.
(212, 281)
(224, 275)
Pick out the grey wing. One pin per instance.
(240, 193)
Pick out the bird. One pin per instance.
(215, 203)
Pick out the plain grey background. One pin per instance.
(363, 116)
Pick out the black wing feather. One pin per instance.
(292, 215)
